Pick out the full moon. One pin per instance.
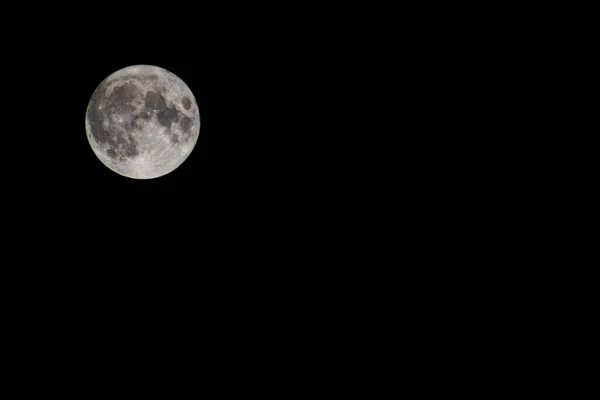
(142, 122)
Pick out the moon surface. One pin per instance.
(142, 121)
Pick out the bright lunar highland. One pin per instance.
(142, 122)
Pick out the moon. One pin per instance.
(142, 121)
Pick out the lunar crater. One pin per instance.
(167, 116)
(155, 101)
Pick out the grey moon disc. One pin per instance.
(142, 121)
